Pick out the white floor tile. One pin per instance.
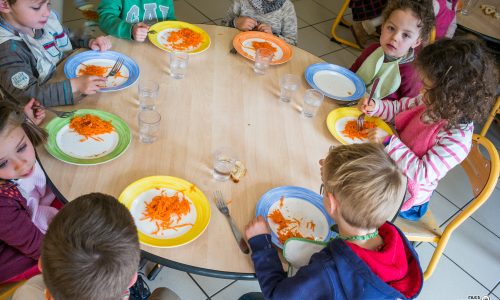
(496, 292)
(185, 12)
(237, 289)
(346, 34)
(301, 23)
(211, 285)
(475, 249)
(212, 9)
(312, 12)
(455, 187)
(315, 42)
(342, 58)
(177, 281)
(441, 208)
(325, 27)
(493, 297)
(487, 215)
(448, 280)
(334, 6)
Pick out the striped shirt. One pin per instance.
(451, 148)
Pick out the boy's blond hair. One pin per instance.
(366, 182)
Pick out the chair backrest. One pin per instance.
(493, 113)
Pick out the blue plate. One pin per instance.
(130, 69)
(298, 203)
(335, 82)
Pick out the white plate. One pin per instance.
(71, 143)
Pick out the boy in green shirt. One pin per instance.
(129, 19)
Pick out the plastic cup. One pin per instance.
(178, 64)
(148, 93)
(312, 101)
(263, 58)
(149, 126)
(289, 84)
(224, 160)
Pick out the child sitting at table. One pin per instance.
(271, 16)
(91, 251)
(406, 24)
(446, 17)
(27, 200)
(370, 258)
(130, 19)
(32, 42)
(434, 130)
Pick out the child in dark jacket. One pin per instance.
(370, 258)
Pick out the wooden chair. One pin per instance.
(8, 289)
(491, 117)
(483, 175)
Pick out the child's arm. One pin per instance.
(109, 19)
(289, 25)
(387, 109)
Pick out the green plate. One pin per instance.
(68, 146)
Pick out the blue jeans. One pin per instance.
(415, 212)
(252, 296)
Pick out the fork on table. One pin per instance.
(221, 205)
(360, 122)
(116, 67)
(59, 113)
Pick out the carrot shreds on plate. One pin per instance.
(351, 132)
(166, 211)
(281, 201)
(93, 70)
(183, 39)
(287, 228)
(257, 45)
(89, 126)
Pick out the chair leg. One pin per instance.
(154, 272)
(336, 22)
(491, 116)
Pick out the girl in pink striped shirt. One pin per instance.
(434, 130)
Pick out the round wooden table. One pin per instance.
(477, 22)
(220, 102)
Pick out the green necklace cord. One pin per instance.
(359, 237)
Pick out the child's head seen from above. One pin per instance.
(365, 182)
(459, 79)
(19, 136)
(25, 15)
(406, 24)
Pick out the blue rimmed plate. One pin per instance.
(298, 203)
(335, 82)
(128, 74)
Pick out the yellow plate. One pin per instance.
(338, 118)
(162, 31)
(145, 189)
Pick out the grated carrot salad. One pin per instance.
(257, 45)
(163, 209)
(351, 132)
(93, 70)
(89, 126)
(183, 39)
(287, 228)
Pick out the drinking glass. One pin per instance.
(289, 84)
(224, 160)
(149, 126)
(263, 58)
(468, 5)
(148, 92)
(178, 64)
(312, 101)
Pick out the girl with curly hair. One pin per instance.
(434, 129)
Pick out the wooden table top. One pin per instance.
(220, 102)
(478, 22)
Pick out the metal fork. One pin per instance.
(221, 205)
(360, 123)
(59, 114)
(117, 66)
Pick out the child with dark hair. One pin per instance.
(406, 24)
(434, 129)
(27, 200)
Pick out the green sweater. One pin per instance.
(117, 17)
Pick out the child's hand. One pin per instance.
(263, 27)
(376, 135)
(366, 107)
(87, 84)
(140, 32)
(245, 23)
(101, 43)
(256, 227)
(36, 115)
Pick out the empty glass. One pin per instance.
(467, 6)
(289, 84)
(149, 126)
(178, 64)
(312, 101)
(148, 92)
(263, 57)
(224, 160)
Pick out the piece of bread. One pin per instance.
(239, 171)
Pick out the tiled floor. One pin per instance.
(471, 262)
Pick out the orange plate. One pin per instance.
(242, 42)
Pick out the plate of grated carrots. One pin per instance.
(100, 64)
(247, 43)
(168, 211)
(341, 123)
(295, 212)
(90, 137)
(179, 36)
